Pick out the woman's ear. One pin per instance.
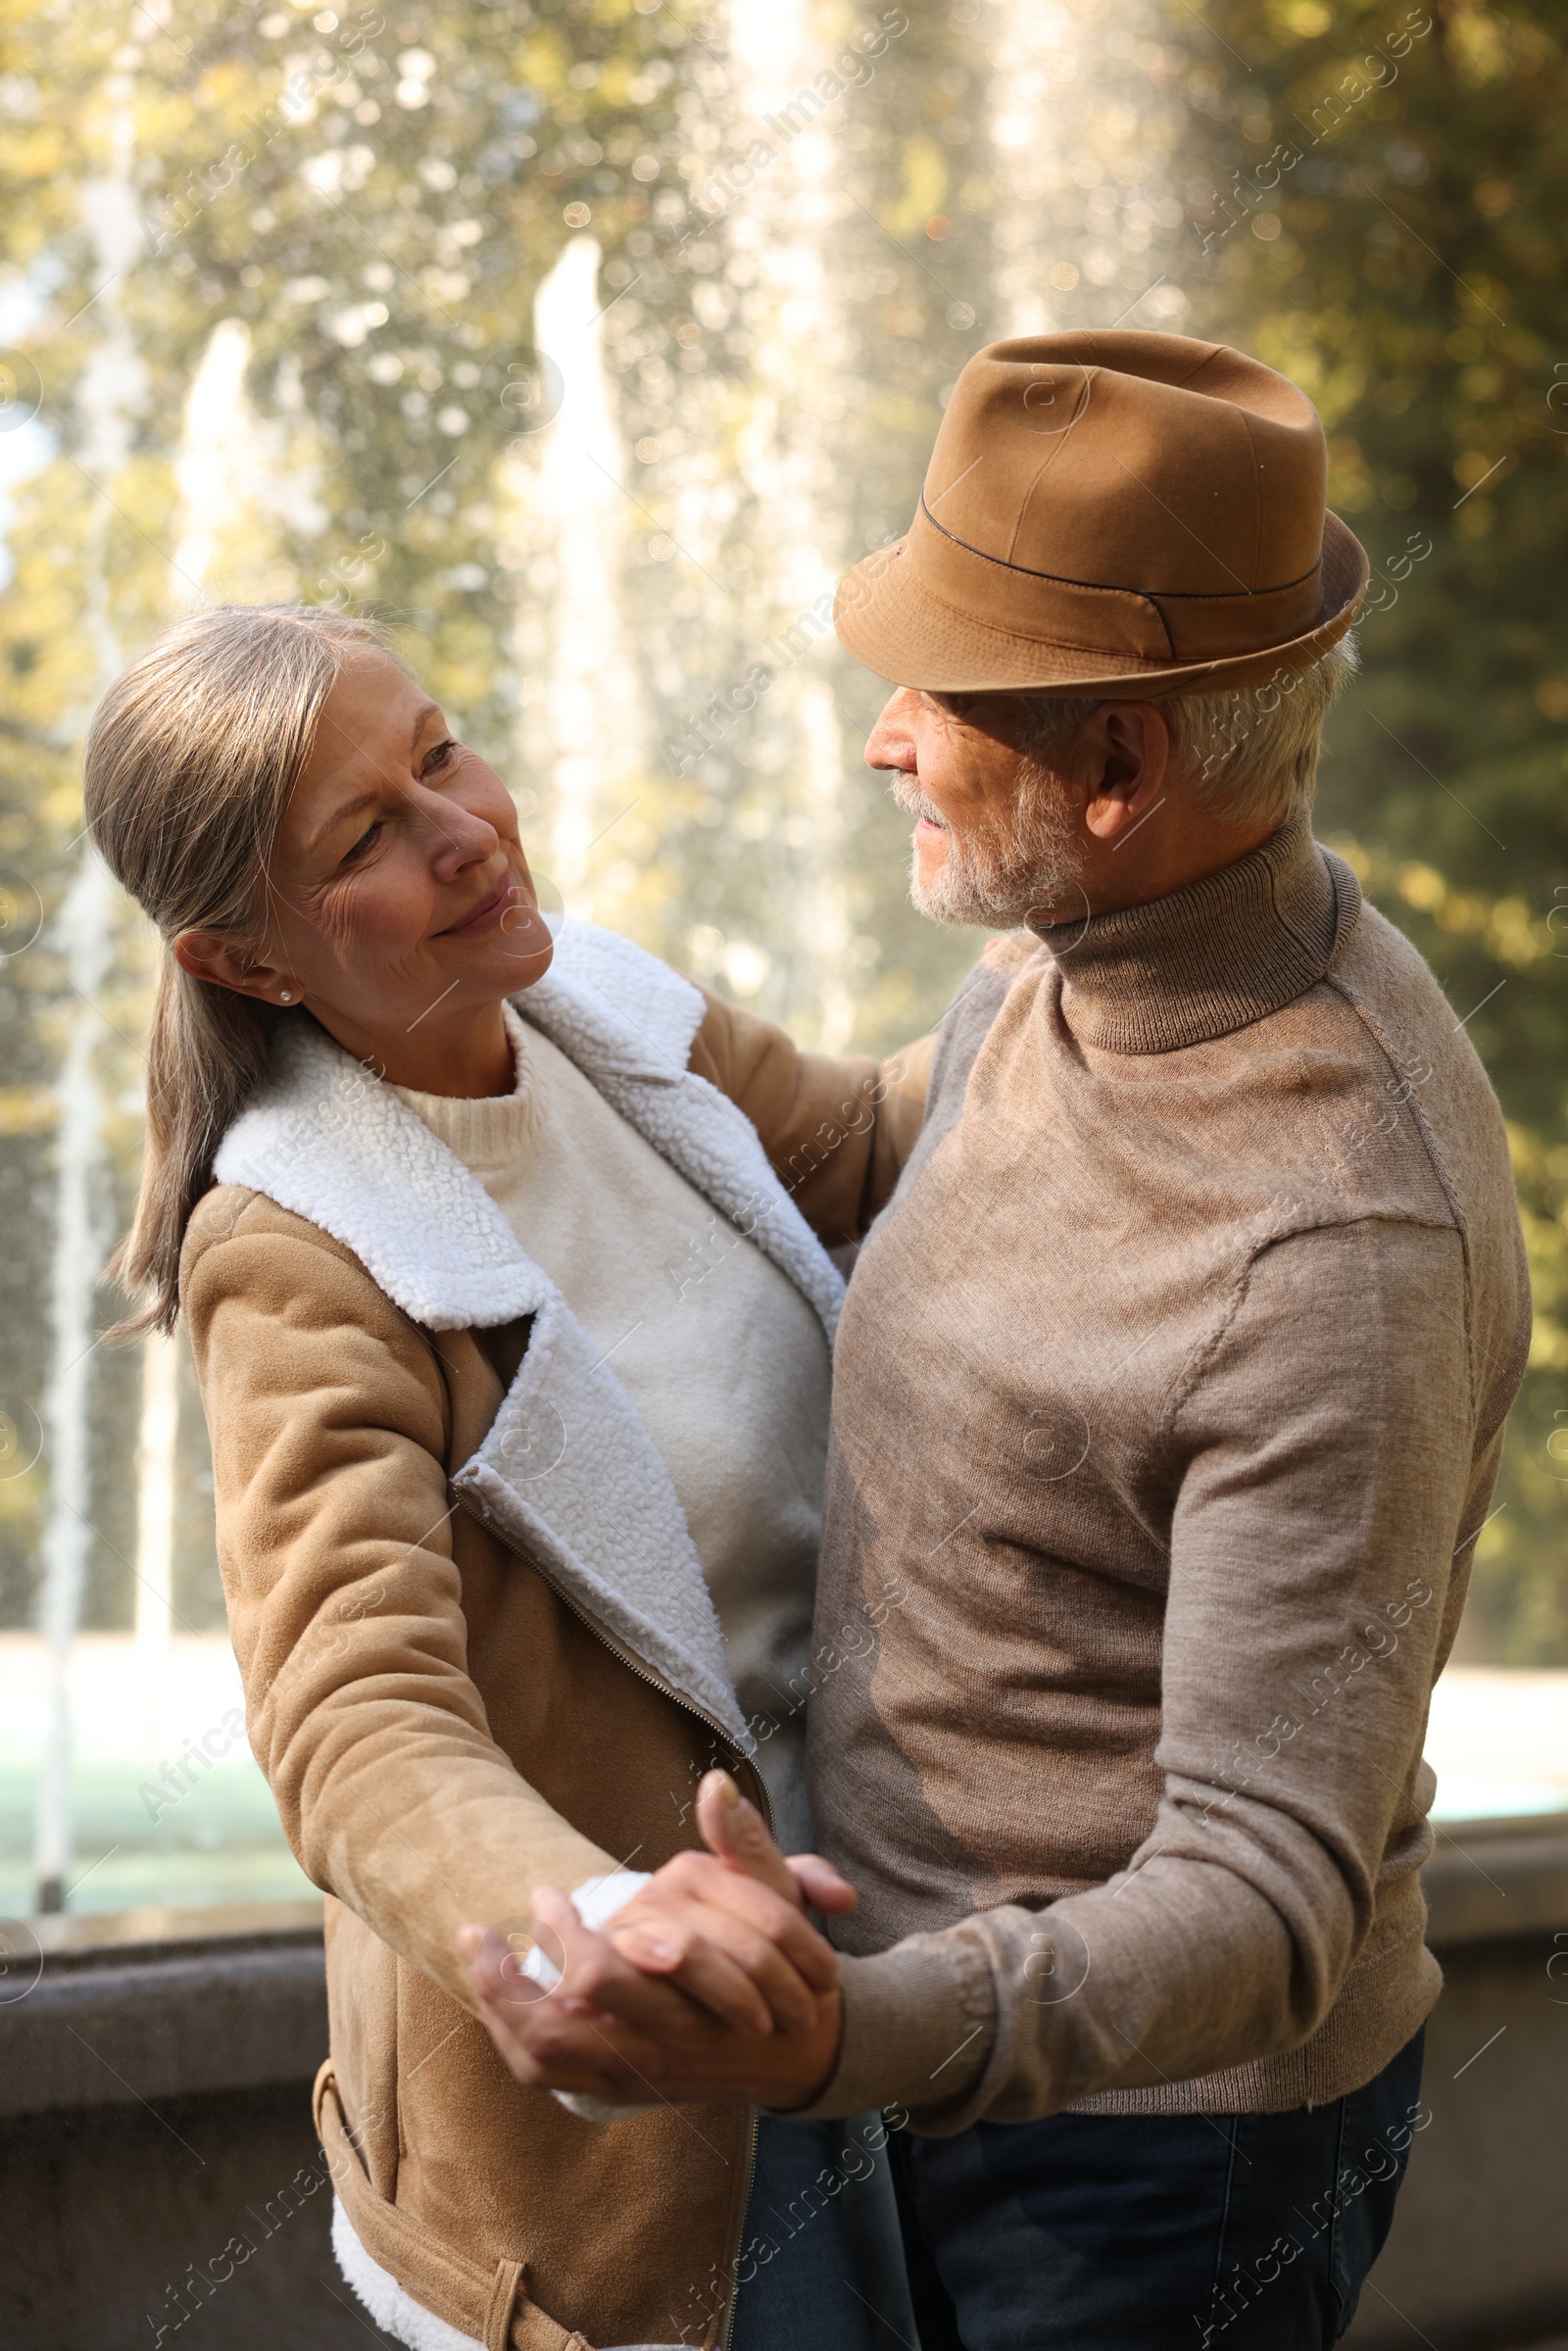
(213, 956)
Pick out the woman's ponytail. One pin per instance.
(207, 1052)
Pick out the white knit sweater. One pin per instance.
(726, 1362)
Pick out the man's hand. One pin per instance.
(678, 1997)
(728, 1926)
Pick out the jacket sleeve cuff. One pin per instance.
(918, 2022)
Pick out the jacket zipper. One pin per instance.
(722, 2339)
(634, 1665)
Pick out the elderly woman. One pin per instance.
(514, 1352)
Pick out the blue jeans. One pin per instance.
(820, 2254)
(1156, 2233)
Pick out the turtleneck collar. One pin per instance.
(1210, 959)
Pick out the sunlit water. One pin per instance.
(591, 705)
(111, 388)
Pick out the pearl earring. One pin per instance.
(284, 996)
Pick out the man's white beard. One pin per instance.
(1028, 863)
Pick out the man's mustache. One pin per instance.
(912, 800)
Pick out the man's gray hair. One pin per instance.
(1251, 755)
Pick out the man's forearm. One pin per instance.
(1013, 2014)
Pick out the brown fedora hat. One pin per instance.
(1111, 513)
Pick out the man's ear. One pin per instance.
(213, 956)
(1126, 748)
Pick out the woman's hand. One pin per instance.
(610, 2031)
(678, 1997)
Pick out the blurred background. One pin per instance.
(588, 344)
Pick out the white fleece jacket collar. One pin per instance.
(325, 1138)
(567, 1472)
(627, 1021)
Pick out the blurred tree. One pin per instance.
(1377, 195)
(321, 353)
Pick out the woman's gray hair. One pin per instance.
(192, 756)
(1252, 754)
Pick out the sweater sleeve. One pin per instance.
(1323, 1452)
(328, 1420)
(836, 1128)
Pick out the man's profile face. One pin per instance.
(997, 837)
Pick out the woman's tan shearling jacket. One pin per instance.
(477, 1650)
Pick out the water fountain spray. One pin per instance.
(110, 391)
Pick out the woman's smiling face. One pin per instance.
(401, 910)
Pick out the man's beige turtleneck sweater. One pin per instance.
(1168, 1402)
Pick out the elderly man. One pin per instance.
(1168, 1402)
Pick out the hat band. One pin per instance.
(1150, 625)
(1119, 587)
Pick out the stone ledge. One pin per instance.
(161, 2004)
(1495, 1879)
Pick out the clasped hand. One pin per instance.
(710, 1983)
